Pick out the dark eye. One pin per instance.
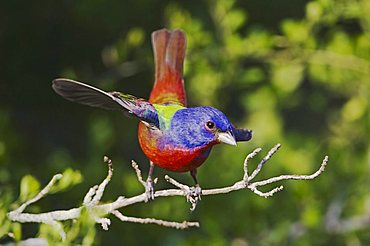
(210, 125)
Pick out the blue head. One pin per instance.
(200, 126)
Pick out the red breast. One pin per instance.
(171, 158)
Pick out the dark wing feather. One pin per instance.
(242, 134)
(85, 94)
(88, 95)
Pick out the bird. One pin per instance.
(172, 136)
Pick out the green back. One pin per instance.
(165, 114)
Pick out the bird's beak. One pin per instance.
(227, 138)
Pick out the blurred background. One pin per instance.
(296, 72)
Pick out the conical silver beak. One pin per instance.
(227, 138)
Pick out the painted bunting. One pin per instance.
(171, 135)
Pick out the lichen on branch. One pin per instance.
(96, 209)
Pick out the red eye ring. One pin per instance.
(210, 125)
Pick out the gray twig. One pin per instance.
(93, 197)
(177, 225)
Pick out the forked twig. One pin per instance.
(96, 211)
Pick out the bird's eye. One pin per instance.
(210, 125)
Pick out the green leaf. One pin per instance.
(314, 11)
(296, 31)
(354, 109)
(287, 77)
(30, 186)
(5, 224)
(17, 231)
(70, 178)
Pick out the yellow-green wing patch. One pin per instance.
(165, 114)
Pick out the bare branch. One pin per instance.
(263, 161)
(101, 187)
(138, 173)
(296, 177)
(96, 210)
(265, 194)
(249, 156)
(182, 187)
(335, 224)
(40, 195)
(177, 225)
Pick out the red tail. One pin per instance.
(169, 53)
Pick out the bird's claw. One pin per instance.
(149, 190)
(193, 196)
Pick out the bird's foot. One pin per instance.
(193, 196)
(149, 190)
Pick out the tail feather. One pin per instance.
(175, 52)
(169, 54)
(160, 40)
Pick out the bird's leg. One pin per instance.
(149, 188)
(195, 191)
(193, 174)
(196, 188)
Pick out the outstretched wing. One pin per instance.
(169, 53)
(86, 94)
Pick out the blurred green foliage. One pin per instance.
(295, 72)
